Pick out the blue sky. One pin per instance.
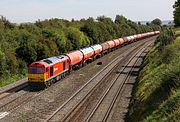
(31, 10)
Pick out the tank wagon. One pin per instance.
(75, 59)
(88, 54)
(105, 48)
(50, 70)
(97, 51)
(121, 41)
(117, 43)
(111, 44)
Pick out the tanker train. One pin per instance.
(50, 70)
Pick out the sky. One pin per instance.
(20, 11)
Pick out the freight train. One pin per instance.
(50, 70)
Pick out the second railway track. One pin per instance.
(103, 108)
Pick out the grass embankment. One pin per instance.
(178, 32)
(157, 91)
(11, 79)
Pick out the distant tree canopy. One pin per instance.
(177, 13)
(156, 22)
(23, 44)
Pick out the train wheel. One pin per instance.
(57, 78)
(50, 82)
(46, 84)
(63, 75)
(53, 81)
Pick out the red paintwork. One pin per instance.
(87, 53)
(39, 64)
(111, 44)
(98, 50)
(135, 37)
(157, 32)
(116, 41)
(152, 33)
(139, 36)
(132, 38)
(143, 35)
(121, 41)
(75, 57)
(128, 38)
(57, 68)
(148, 34)
(105, 46)
(125, 39)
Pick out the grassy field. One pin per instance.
(177, 32)
(157, 92)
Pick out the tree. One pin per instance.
(27, 43)
(177, 13)
(77, 38)
(2, 62)
(90, 28)
(27, 53)
(156, 22)
(7, 24)
(109, 26)
(120, 20)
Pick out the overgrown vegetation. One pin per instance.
(22, 44)
(157, 92)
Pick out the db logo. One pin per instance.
(55, 69)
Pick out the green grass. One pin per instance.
(5, 80)
(177, 31)
(157, 92)
(168, 111)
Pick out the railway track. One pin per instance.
(103, 108)
(14, 100)
(15, 96)
(66, 110)
(12, 90)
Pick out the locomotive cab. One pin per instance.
(36, 72)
